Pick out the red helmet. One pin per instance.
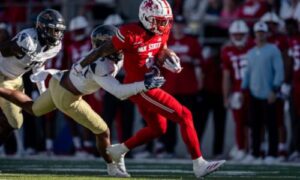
(155, 15)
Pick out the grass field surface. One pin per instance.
(66, 168)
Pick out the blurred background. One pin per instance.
(205, 27)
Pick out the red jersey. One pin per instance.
(189, 51)
(279, 40)
(76, 50)
(234, 60)
(139, 47)
(294, 52)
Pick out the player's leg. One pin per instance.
(5, 129)
(282, 146)
(12, 118)
(11, 97)
(241, 131)
(156, 126)
(219, 117)
(76, 108)
(158, 103)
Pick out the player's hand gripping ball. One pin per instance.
(169, 60)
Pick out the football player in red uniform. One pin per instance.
(280, 40)
(189, 51)
(294, 53)
(141, 43)
(234, 63)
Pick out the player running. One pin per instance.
(28, 50)
(66, 89)
(141, 43)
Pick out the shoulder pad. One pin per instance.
(26, 42)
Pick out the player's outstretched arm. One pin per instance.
(106, 49)
(123, 91)
(18, 98)
(11, 48)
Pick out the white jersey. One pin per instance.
(35, 56)
(101, 74)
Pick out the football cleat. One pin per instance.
(114, 171)
(205, 168)
(117, 152)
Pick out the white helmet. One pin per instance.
(270, 17)
(78, 23)
(155, 15)
(238, 27)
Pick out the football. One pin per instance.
(163, 55)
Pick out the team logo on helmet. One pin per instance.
(156, 15)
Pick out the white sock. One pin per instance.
(49, 144)
(282, 147)
(76, 142)
(87, 144)
(198, 161)
(124, 148)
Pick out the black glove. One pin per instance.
(153, 81)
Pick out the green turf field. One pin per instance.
(50, 169)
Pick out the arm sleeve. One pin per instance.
(121, 91)
(225, 61)
(25, 42)
(40, 84)
(278, 68)
(246, 79)
(121, 40)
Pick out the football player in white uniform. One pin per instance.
(66, 89)
(28, 50)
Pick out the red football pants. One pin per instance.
(156, 106)
(240, 117)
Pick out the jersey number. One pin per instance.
(239, 68)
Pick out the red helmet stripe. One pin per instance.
(167, 5)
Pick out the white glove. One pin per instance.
(42, 75)
(77, 68)
(235, 100)
(173, 64)
(39, 76)
(285, 90)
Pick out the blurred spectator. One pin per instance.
(292, 27)
(280, 40)
(263, 77)
(234, 63)
(229, 13)
(211, 99)
(252, 10)
(290, 9)
(102, 8)
(203, 13)
(177, 6)
(273, 5)
(188, 50)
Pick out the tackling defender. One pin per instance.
(28, 50)
(141, 43)
(66, 89)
